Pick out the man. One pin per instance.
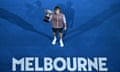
(58, 24)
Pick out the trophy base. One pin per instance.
(46, 20)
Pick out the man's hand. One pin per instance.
(65, 28)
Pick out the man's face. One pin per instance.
(57, 11)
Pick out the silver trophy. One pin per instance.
(48, 14)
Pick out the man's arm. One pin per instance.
(50, 18)
(64, 20)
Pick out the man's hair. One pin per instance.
(56, 8)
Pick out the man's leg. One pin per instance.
(55, 39)
(61, 39)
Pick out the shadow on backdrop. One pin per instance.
(15, 19)
(94, 22)
(35, 11)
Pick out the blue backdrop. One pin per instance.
(93, 30)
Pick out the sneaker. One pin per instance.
(54, 41)
(61, 43)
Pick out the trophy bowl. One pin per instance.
(48, 14)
